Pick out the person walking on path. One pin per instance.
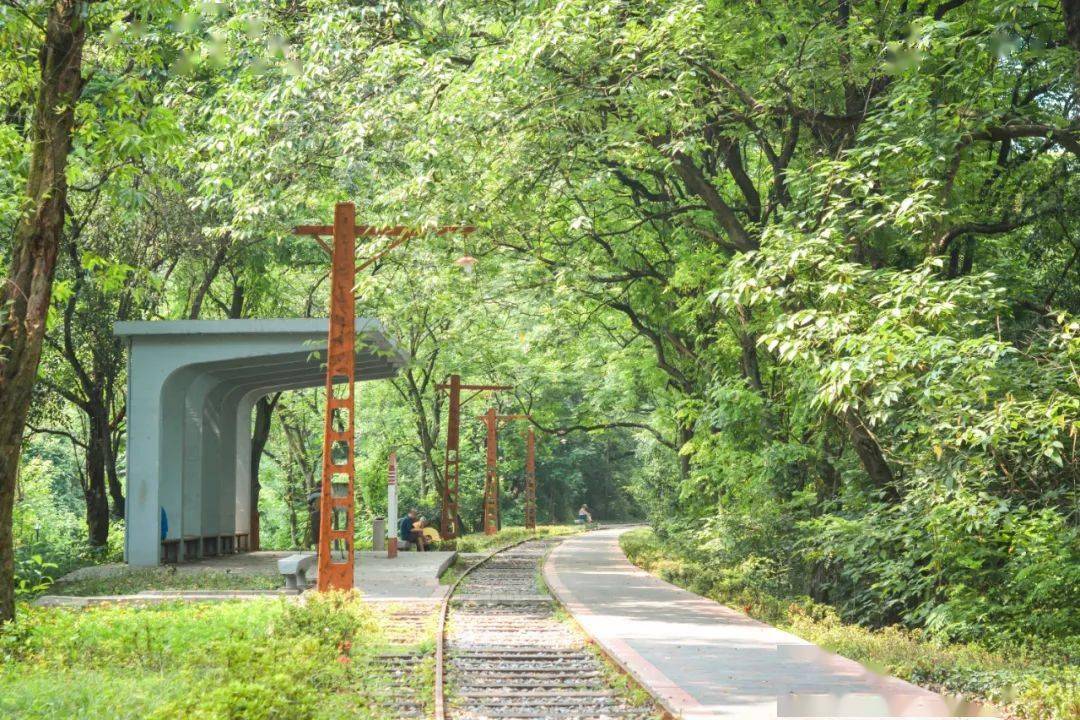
(584, 517)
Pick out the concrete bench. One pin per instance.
(191, 547)
(170, 551)
(295, 569)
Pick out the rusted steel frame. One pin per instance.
(341, 365)
(492, 511)
(336, 505)
(450, 511)
(530, 479)
(478, 388)
(326, 248)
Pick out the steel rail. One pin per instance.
(440, 633)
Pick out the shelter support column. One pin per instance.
(142, 510)
(247, 515)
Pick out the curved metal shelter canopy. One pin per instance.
(192, 385)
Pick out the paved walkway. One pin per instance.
(704, 660)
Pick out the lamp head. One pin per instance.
(466, 263)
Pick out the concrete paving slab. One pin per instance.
(704, 660)
(409, 576)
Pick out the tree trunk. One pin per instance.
(25, 296)
(1071, 10)
(97, 455)
(298, 456)
(294, 437)
(208, 280)
(686, 434)
(870, 455)
(116, 488)
(97, 499)
(264, 410)
(751, 369)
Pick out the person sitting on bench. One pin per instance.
(410, 534)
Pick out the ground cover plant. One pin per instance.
(258, 659)
(1026, 680)
(128, 581)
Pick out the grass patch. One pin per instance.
(129, 581)
(1026, 682)
(255, 660)
(479, 542)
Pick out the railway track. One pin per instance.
(502, 652)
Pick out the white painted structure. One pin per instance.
(192, 385)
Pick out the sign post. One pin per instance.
(391, 506)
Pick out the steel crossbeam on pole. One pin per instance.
(384, 231)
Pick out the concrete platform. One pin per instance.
(704, 660)
(411, 575)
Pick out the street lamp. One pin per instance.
(466, 263)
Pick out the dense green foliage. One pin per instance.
(1028, 682)
(258, 659)
(800, 277)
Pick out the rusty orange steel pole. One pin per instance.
(491, 483)
(337, 503)
(530, 479)
(450, 496)
(338, 471)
